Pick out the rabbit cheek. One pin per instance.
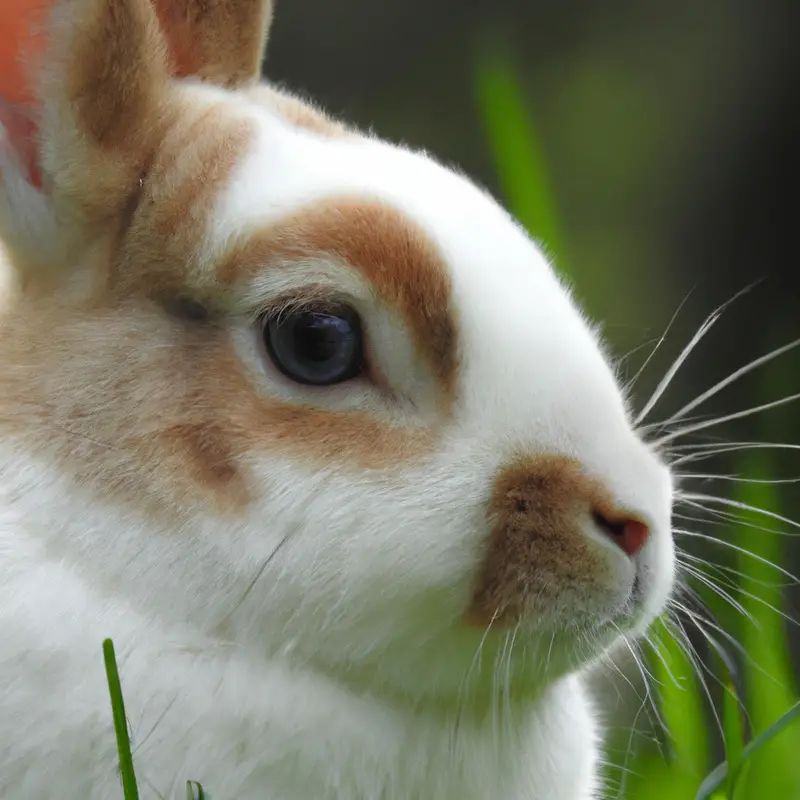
(212, 461)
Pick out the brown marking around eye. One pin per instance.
(396, 256)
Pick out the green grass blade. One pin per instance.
(770, 678)
(683, 712)
(194, 791)
(715, 779)
(518, 156)
(129, 788)
(733, 730)
(682, 705)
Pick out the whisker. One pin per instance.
(728, 445)
(720, 592)
(676, 365)
(699, 426)
(710, 498)
(709, 322)
(724, 517)
(719, 386)
(700, 622)
(735, 478)
(700, 668)
(664, 335)
(696, 618)
(721, 568)
(701, 453)
(739, 549)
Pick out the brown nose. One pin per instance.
(538, 545)
(628, 533)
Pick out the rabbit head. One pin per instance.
(297, 387)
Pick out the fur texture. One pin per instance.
(387, 588)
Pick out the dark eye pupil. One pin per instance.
(318, 337)
(315, 347)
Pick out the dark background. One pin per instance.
(671, 134)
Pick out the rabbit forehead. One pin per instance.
(427, 241)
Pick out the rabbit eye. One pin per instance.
(318, 348)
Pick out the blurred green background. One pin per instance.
(653, 149)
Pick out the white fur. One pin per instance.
(345, 672)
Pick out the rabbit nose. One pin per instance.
(628, 533)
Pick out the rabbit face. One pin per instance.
(309, 391)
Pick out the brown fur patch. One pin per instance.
(105, 84)
(536, 546)
(112, 400)
(105, 88)
(391, 252)
(115, 68)
(192, 165)
(296, 111)
(220, 41)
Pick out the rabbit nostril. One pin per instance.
(628, 533)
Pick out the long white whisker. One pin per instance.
(676, 365)
(724, 517)
(709, 322)
(706, 581)
(699, 667)
(738, 549)
(720, 569)
(710, 498)
(728, 445)
(641, 369)
(699, 426)
(702, 452)
(735, 478)
(696, 617)
(717, 387)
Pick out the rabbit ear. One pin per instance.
(89, 90)
(84, 100)
(219, 41)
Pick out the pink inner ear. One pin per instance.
(19, 133)
(21, 39)
(172, 16)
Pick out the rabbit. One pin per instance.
(310, 427)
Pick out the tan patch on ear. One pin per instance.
(391, 252)
(536, 547)
(115, 70)
(188, 172)
(296, 112)
(219, 41)
(105, 98)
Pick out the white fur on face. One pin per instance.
(532, 380)
(314, 642)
